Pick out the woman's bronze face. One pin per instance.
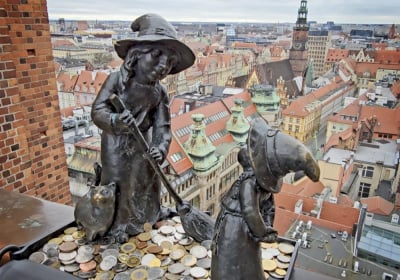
(155, 65)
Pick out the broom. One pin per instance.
(196, 223)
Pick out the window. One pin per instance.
(367, 171)
(364, 189)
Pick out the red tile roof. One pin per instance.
(62, 42)
(388, 119)
(66, 81)
(378, 205)
(335, 55)
(90, 82)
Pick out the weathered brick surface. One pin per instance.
(32, 158)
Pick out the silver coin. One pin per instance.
(198, 272)
(283, 258)
(206, 244)
(38, 257)
(110, 252)
(67, 256)
(167, 230)
(83, 258)
(146, 259)
(108, 262)
(204, 263)
(85, 250)
(176, 268)
(273, 251)
(68, 262)
(167, 261)
(180, 229)
(155, 273)
(50, 249)
(179, 236)
(86, 274)
(198, 251)
(71, 268)
(157, 238)
(186, 241)
(126, 275)
(266, 255)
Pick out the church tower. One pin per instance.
(298, 52)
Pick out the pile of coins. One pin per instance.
(276, 259)
(161, 252)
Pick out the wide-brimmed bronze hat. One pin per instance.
(153, 28)
(273, 154)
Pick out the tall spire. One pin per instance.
(301, 23)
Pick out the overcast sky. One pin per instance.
(274, 11)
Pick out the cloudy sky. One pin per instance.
(339, 11)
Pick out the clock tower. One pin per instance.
(298, 52)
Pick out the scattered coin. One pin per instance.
(204, 263)
(147, 227)
(269, 265)
(88, 266)
(188, 260)
(133, 261)
(68, 246)
(57, 240)
(70, 230)
(108, 262)
(144, 236)
(283, 258)
(177, 254)
(176, 268)
(198, 272)
(71, 268)
(139, 274)
(78, 234)
(38, 257)
(67, 256)
(198, 251)
(155, 273)
(68, 237)
(286, 248)
(128, 247)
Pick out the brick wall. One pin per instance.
(32, 157)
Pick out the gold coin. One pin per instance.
(155, 263)
(144, 236)
(70, 230)
(269, 265)
(139, 274)
(147, 227)
(266, 275)
(57, 240)
(78, 234)
(128, 247)
(165, 251)
(265, 245)
(188, 260)
(177, 254)
(123, 258)
(280, 271)
(133, 261)
(286, 248)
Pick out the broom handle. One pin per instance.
(120, 107)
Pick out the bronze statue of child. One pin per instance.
(148, 58)
(240, 225)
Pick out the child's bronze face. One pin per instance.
(155, 65)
